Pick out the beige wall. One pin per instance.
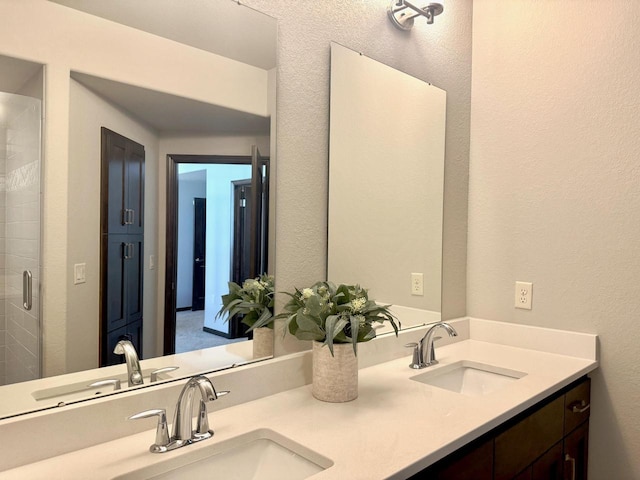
(554, 194)
(87, 114)
(438, 53)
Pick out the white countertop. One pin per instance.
(395, 427)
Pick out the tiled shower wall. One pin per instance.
(20, 240)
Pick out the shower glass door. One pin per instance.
(20, 159)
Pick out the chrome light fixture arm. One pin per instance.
(403, 12)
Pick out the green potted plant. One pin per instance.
(338, 317)
(254, 301)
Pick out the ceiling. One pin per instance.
(223, 27)
(170, 113)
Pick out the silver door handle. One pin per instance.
(27, 290)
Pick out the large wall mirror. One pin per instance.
(386, 180)
(194, 82)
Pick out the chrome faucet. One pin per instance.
(183, 433)
(424, 353)
(126, 348)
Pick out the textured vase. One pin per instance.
(262, 342)
(335, 378)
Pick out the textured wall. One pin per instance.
(439, 53)
(554, 195)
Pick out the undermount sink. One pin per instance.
(257, 455)
(469, 378)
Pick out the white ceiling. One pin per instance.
(170, 113)
(220, 26)
(14, 73)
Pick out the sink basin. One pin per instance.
(470, 378)
(258, 455)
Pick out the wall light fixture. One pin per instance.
(402, 12)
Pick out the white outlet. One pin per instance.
(524, 295)
(152, 262)
(417, 284)
(79, 273)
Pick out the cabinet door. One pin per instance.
(576, 450)
(476, 464)
(134, 334)
(113, 282)
(523, 443)
(550, 465)
(122, 196)
(135, 187)
(110, 340)
(133, 275)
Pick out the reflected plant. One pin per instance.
(333, 314)
(254, 300)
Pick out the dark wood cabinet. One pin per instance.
(122, 185)
(576, 450)
(122, 245)
(548, 441)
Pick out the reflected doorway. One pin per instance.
(211, 239)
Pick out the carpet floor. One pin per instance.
(191, 336)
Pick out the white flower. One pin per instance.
(307, 293)
(357, 304)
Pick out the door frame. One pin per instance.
(171, 255)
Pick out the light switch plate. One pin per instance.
(79, 273)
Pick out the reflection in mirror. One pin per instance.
(173, 97)
(386, 177)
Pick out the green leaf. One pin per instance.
(355, 326)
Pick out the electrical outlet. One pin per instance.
(417, 284)
(524, 295)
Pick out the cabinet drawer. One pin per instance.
(522, 444)
(577, 405)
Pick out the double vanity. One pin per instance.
(404, 420)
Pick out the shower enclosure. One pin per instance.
(20, 159)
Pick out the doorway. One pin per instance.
(203, 220)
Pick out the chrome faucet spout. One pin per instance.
(426, 347)
(134, 374)
(182, 427)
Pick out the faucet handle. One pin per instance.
(162, 430)
(103, 383)
(155, 373)
(416, 361)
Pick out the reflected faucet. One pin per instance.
(134, 374)
(424, 353)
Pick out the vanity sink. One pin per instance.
(469, 378)
(257, 455)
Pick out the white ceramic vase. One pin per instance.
(262, 342)
(335, 378)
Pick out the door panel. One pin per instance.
(122, 242)
(199, 253)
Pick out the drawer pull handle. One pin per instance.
(580, 407)
(568, 458)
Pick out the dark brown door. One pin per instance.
(199, 253)
(122, 244)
